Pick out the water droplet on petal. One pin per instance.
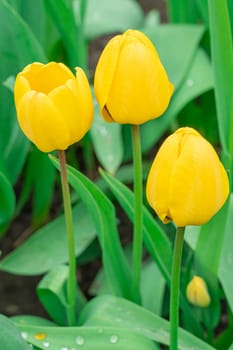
(113, 339)
(40, 336)
(46, 344)
(80, 340)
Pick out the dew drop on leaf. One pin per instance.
(24, 335)
(46, 344)
(80, 340)
(114, 339)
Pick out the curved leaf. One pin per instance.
(7, 202)
(11, 338)
(47, 247)
(124, 314)
(104, 338)
(52, 293)
(107, 142)
(103, 214)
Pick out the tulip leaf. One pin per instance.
(154, 237)
(198, 80)
(103, 214)
(104, 17)
(7, 202)
(13, 144)
(152, 290)
(47, 247)
(32, 320)
(225, 266)
(107, 142)
(23, 49)
(52, 293)
(42, 186)
(222, 59)
(104, 338)
(63, 14)
(34, 14)
(122, 313)
(207, 261)
(11, 338)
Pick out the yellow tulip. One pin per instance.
(131, 84)
(54, 107)
(187, 183)
(197, 292)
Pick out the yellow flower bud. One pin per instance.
(131, 84)
(54, 107)
(197, 292)
(187, 183)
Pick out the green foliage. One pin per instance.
(10, 336)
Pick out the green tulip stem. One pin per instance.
(175, 288)
(137, 234)
(71, 283)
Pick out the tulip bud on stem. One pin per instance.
(175, 286)
(71, 284)
(137, 235)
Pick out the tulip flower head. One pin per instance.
(54, 108)
(187, 183)
(197, 292)
(131, 84)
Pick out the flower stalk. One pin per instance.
(175, 288)
(137, 234)
(71, 283)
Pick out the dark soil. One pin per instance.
(18, 293)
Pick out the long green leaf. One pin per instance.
(122, 313)
(103, 214)
(207, 260)
(23, 48)
(52, 293)
(47, 247)
(107, 142)
(89, 338)
(10, 338)
(225, 267)
(63, 14)
(222, 59)
(154, 237)
(7, 202)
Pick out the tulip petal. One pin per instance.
(42, 123)
(21, 87)
(48, 76)
(105, 72)
(199, 185)
(140, 90)
(158, 183)
(74, 101)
